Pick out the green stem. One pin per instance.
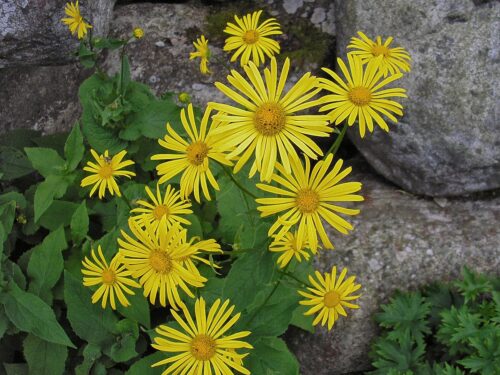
(241, 187)
(252, 317)
(293, 277)
(338, 141)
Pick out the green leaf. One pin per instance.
(53, 187)
(30, 314)
(271, 356)
(4, 322)
(473, 285)
(16, 368)
(302, 321)
(44, 358)
(15, 196)
(143, 366)
(13, 163)
(73, 148)
(138, 311)
(124, 78)
(123, 349)
(406, 313)
(91, 353)
(58, 214)
(80, 223)
(89, 321)
(45, 160)
(46, 264)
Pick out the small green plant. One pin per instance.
(445, 330)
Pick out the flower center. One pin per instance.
(360, 96)
(251, 36)
(203, 347)
(160, 261)
(379, 49)
(307, 200)
(160, 211)
(331, 299)
(108, 277)
(269, 119)
(197, 152)
(106, 170)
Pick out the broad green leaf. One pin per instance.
(89, 321)
(74, 148)
(138, 311)
(53, 187)
(16, 368)
(124, 75)
(143, 366)
(45, 160)
(271, 356)
(4, 322)
(13, 163)
(58, 214)
(46, 264)
(44, 358)
(123, 349)
(30, 314)
(302, 321)
(19, 198)
(91, 353)
(80, 223)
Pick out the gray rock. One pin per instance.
(31, 32)
(291, 6)
(400, 241)
(448, 142)
(41, 98)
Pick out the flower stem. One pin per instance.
(293, 277)
(241, 187)
(338, 141)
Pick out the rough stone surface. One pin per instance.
(400, 241)
(31, 32)
(448, 142)
(40, 98)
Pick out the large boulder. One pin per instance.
(31, 32)
(448, 142)
(400, 241)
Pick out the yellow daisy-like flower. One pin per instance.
(202, 346)
(157, 259)
(113, 279)
(394, 60)
(268, 125)
(138, 33)
(360, 96)
(192, 158)
(162, 212)
(203, 52)
(307, 198)
(104, 172)
(329, 296)
(75, 21)
(251, 40)
(290, 247)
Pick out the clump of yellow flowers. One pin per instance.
(271, 126)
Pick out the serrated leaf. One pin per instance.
(13, 163)
(44, 358)
(46, 264)
(473, 285)
(80, 223)
(271, 356)
(30, 314)
(73, 148)
(89, 321)
(53, 187)
(45, 160)
(143, 366)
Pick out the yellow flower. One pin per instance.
(163, 212)
(290, 247)
(329, 296)
(104, 172)
(360, 97)
(250, 39)
(203, 52)
(307, 197)
(138, 33)
(202, 345)
(184, 98)
(75, 21)
(114, 279)
(156, 258)
(394, 60)
(192, 158)
(265, 122)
